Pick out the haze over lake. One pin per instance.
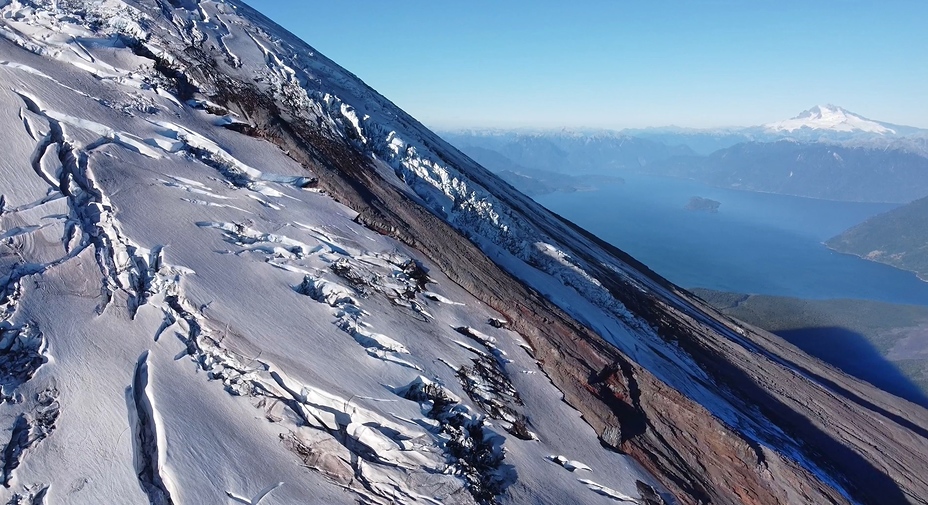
(755, 243)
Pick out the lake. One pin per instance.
(756, 243)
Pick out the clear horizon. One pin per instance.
(614, 65)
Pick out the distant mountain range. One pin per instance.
(567, 151)
(822, 123)
(814, 170)
(545, 162)
(824, 152)
(534, 182)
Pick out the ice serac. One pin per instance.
(328, 289)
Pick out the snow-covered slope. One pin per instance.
(232, 273)
(187, 323)
(831, 118)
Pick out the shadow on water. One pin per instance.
(854, 355)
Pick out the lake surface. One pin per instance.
(757, 243)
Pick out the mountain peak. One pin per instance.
(833, 118)
(821, 110)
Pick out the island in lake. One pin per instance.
(698, 203)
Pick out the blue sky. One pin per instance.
(622, 63)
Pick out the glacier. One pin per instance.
(231, 272)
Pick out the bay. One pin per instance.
(756, 243)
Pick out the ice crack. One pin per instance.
(149, 448)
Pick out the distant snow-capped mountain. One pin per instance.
(835, 119)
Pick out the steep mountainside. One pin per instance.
(898, 238)
(232, 272)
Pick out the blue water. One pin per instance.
(756, 243)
